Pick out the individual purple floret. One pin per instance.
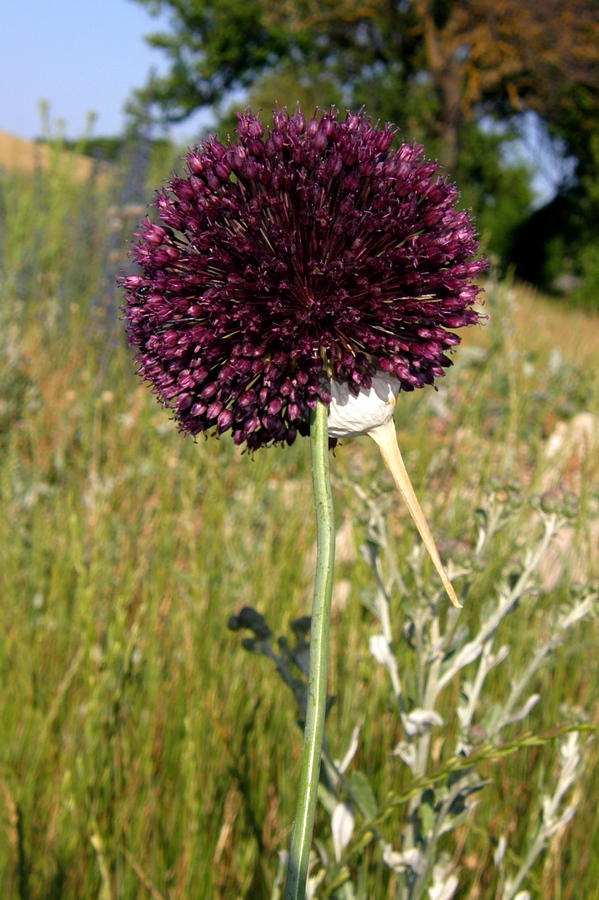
(307, 252)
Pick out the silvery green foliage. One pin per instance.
(442, 651)
(554, 815)
(424, 655)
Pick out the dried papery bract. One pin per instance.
(386, 439)
(371, 413)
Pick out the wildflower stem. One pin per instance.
(301, 838)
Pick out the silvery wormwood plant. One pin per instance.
(429, 651)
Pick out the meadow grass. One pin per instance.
(143, 752)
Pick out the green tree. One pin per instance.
(503, 55)
(436, 68)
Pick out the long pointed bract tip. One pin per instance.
(385, 437)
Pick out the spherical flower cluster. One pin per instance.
(300, 255)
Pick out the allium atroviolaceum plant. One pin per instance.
(295, 281)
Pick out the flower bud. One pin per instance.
(550, 502)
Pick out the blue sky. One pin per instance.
(80, 56)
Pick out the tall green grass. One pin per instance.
(143, 753)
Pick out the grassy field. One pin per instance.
(143, 752)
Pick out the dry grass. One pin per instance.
(545, 324)
(27, 156)
(541, 324)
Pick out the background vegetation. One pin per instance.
(463, 77)
(143, 753)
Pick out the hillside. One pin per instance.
(25, 156)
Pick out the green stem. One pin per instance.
(301, 837)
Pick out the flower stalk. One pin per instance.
(301, 837)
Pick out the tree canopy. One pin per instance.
(501, 55)
(433, 67)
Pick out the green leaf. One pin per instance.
(427, 815)
(363, 794)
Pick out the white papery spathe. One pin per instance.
(351, 416)
(371, 412)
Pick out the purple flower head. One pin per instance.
(302, 253)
